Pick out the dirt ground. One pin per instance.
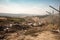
(45, 35)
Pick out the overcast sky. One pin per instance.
(27, 6)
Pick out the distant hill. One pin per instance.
(16, 15)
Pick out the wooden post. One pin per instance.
(51, 16)
(59, 10)
(59, 14)
(54, 8)
(59, 17)
(53, 11)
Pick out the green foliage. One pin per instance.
(16, 19)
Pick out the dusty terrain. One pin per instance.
(29, 29)
(45, 35)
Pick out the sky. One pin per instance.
(28, 6)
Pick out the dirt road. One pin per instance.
(45, 35)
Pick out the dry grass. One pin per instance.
(36, 33)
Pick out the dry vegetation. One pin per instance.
(45, 31)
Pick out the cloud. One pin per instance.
(11, 7)
(6, 6)
(15, 8)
